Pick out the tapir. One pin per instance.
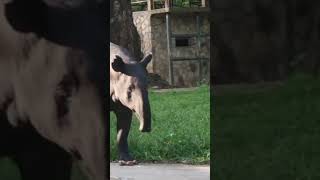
(53, 87)
(128, 95)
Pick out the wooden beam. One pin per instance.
(204, 3)
(199, 46)
(187, 11)
(168, 4)
(150, 5)
(168, 29)
(139, 2)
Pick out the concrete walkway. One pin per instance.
(159, 172)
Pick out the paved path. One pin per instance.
(159, 172)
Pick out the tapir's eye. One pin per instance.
(129, 95)
(130, 91)
(131, 87)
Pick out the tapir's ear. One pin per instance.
(146, 60)
(118, 64)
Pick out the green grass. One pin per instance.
(180, 129)
(268, 135)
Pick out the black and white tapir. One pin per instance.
(128, 94)
(53, 87)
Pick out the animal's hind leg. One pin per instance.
(124, 119)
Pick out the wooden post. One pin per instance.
(168, 27)
(199, 47)
(150, 5)
(204, 3)
(167, 4)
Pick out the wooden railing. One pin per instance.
(158, 4)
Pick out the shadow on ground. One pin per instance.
(9, 171)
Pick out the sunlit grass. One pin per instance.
(180, 129)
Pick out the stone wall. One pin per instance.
(185, 73)
(159, 47)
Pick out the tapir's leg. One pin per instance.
(124, 118)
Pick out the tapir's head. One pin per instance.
(129, 86)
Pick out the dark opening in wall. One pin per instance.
(182, 42)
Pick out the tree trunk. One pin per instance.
(122, 30)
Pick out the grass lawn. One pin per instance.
(180, 129)
(272, 134)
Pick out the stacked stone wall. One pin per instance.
(185, 73)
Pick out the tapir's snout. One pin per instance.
(145, 128)
(145, 122)
(144, 116)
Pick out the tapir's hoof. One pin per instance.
(128, 163)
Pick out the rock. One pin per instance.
(156, 82)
